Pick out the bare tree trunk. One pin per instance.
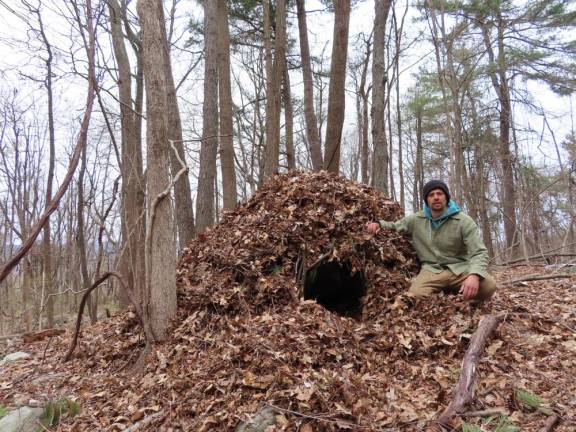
(417, 200)
(160, 296)
(448, 124)
(312, 134)
(397, 38)
(80, 239)
(209, 147)
(46, 244)
(481, 181)
(273, 105)
(27, 300)
(363, 93)
(133, 227)
(225, 100)
(380, 157)
(289, 117)
(336, 95)
(500, 84)
(457, 150)
(184, 210)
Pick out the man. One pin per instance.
(448, 245)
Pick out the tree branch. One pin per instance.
(465, 390)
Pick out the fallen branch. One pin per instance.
(95, 285)
(38, 336)
(465, 390)
(539, 255)
(538, 277)
(486, 413)
(550, 424)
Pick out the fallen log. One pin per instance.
(41, 335)
(465, 390)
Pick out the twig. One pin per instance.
(321, 258)
(485, 413)
(550, 424)
(465, 390)
(144, 422)
(46, 348)
(339, 422)
(538, 277)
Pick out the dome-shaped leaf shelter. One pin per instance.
(300, 236)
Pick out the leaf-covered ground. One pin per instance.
(244, 338)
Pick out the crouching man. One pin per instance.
(448, 245)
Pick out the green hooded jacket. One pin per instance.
(455, 245)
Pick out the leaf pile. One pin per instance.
(254, 259)
(244, 340)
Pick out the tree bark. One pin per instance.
(312, 134)
(273, 106)
(209, 146)
(225, 101)
(80, 239)
(160, 295)
(288, 118)
(336, 95)
(184, 209)
(380, 156)
(133, 226)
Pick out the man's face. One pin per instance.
(436, 200)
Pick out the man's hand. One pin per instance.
(470, 287)
(372, 227)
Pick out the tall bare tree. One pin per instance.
(184, 210)
(380, 157)
(225, 102)
(133, 189)
(209, 147)
(336, 94)
(288, 117)
(160, 296)
(273, 105)
(312, 134)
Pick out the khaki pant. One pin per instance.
(428, 283)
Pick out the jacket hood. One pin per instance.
(451, 210)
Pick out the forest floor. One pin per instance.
(389, 374)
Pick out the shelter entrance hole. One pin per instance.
(334, 286)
